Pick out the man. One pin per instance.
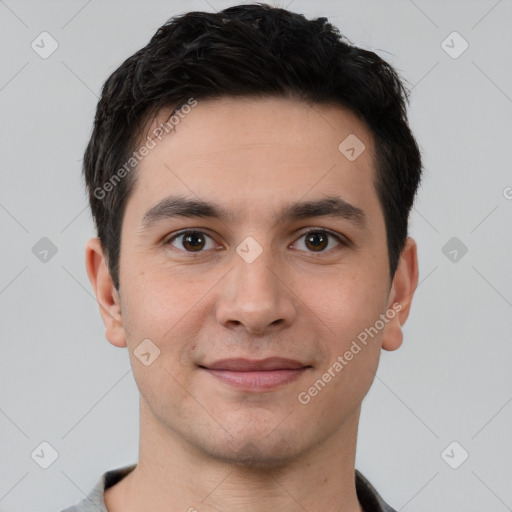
(250, 175)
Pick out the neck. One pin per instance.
(172, 475)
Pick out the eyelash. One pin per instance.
(337, 237)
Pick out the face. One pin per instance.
(257, 301)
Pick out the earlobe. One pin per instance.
(106, 294)
(402, 290)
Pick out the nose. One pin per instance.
(256, 296)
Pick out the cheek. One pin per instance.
(166, 308)
(351, 304)
(158, 300)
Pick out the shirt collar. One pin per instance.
(368, 497)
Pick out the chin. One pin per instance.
(249, 444)
(254, 454)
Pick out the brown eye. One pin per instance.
(319, 240)
(316, 241)
(191, 241)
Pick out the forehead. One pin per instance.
(251, 155)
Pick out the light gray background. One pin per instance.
(63, 383)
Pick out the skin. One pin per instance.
(203, 443)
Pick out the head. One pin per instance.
(244, 113)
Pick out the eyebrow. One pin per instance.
(178, 206)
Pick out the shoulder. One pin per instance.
(368, 497)
(95, 500)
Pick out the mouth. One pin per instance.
(254, 375)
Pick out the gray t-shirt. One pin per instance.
(94, 502)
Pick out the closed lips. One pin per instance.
(248, 365)
(254, 376)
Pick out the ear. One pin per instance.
(402, 290)
(106, 294)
